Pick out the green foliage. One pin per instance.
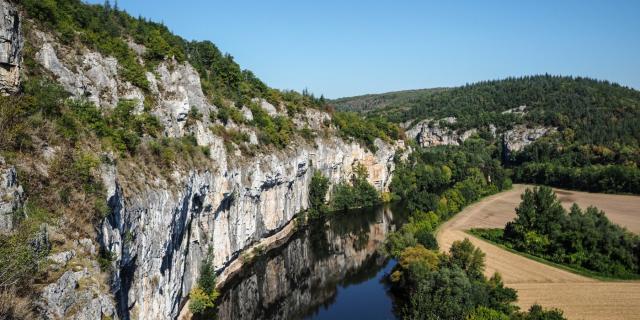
(230, 113)
(121, 128)
(207, 279)
(449, 286)
(593, 178)
(484, 313)
(358, 194)
(536, 312)
(199, 301)
(168, 152)
(469, 258)
(21, 253)
(317, 194)
(277, 131)
(444, 179)
(204, 294)
(105, 260)
(230, 136)
(580, 239)
(365, 131)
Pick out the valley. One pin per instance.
(147, 175)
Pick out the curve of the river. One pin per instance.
(578, 296)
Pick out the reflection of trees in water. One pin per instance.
(303, 275)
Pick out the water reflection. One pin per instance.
(328, 270)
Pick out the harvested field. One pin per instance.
(580, 297)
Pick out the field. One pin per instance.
(580, 297)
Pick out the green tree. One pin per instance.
(469, 258)
(317, 194)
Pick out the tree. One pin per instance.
(317, 194)
(204, 294)
(469, 258)
(539, 217)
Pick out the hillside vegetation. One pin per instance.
(596, 146)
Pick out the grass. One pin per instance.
(481, 234)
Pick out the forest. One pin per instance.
(595, 146)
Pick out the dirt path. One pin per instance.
(580, 297)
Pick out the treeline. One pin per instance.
(593, 178)
(558, 161)
(582, 239)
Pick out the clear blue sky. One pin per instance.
(342, 48)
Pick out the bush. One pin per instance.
(199, 301)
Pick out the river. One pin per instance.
(329, 270)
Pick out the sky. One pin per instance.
(352, 47)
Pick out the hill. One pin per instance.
(598, 112)
(371, 102)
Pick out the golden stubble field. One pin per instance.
(580, 297)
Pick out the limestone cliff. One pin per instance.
(429, 133)
(11, 43)
(159, 228)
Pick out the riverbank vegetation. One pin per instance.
(432, 285)
(345, 195)
(580, 239)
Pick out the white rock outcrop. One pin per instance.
(429, 133)
(521, 136)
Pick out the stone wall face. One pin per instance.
(11, 43)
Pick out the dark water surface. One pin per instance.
(329, 270)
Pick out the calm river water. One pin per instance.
(330, 270)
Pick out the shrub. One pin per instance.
(199, 301)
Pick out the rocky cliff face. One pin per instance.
(160, 234)
(429, 133)
(160, 228)
(11, 43)
(521, 136)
